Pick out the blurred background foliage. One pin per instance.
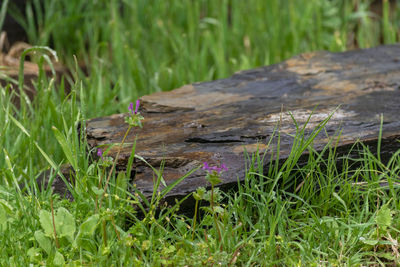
(139, 47)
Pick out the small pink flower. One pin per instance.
(137, 106)
(131, 107)
(100, 152)
(206, 167)
(214, 168)
(223, 167)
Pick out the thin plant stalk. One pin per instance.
(195, 217)
(114, 163)
(215, 216)
(115, 227)
(103, 227)
(54, 223)
(107, 182)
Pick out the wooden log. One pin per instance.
(217, 121)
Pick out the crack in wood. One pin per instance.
(215, 139)
(232, 116)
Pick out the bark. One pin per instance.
(217, 121)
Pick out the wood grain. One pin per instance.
(217, 121)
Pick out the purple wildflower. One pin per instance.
(214, 168)
(131, 107)
(137, 106)
(100, 152)
(223, 167)
(206, 167)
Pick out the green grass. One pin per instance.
(131, 49)
(283, 215)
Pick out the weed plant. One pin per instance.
(316, 213)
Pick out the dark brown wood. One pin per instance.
(216, 121)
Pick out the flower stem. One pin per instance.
(54, 223)
(215, 216)
(194, 218)
(104, 233)
(114, 163)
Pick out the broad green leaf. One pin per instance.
(89, 226)
(199, 194)
(35, 254)
(213, 178)
(58, 259)
(46, 222)
(65, 224)
(43, 240)
(384, 217)
(97, 191)
(65, 147)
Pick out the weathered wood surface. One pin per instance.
(215, 121)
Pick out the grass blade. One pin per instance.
(66, 148)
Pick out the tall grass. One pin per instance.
(287, 214)
(319, 212)
(137, 47)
